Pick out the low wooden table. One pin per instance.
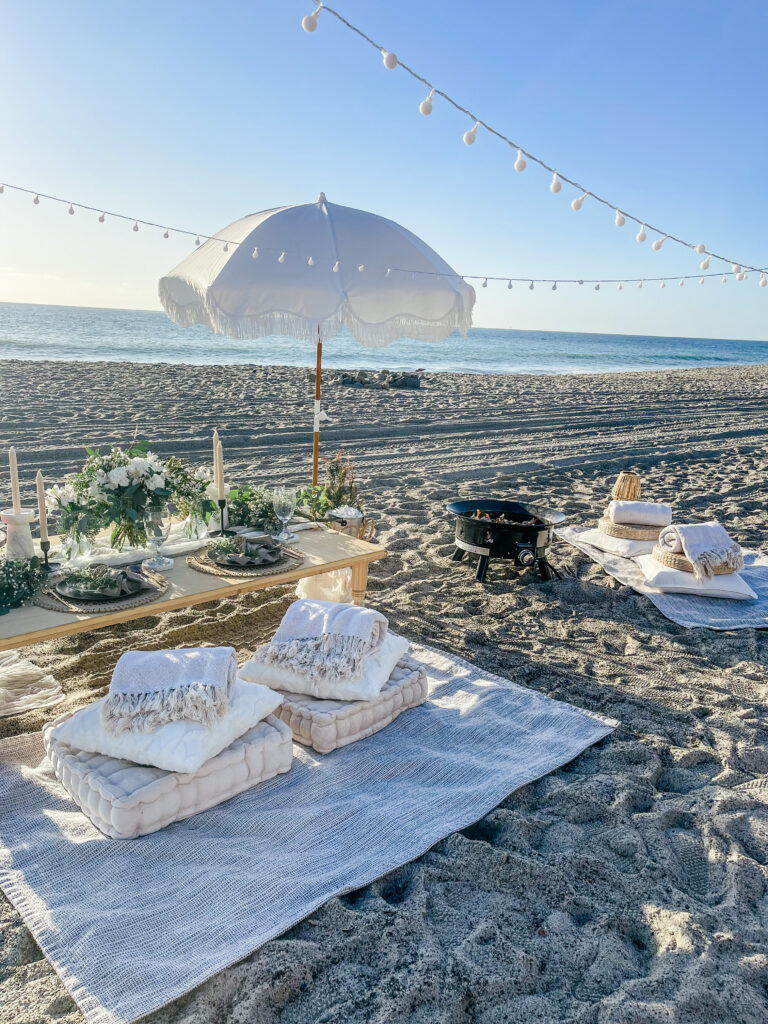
(324, 550)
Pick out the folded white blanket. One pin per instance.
(705, 545)
(325, 640)
(151, 688)
(616, 545)
(367, 685)
(675, 581)
(639, 513)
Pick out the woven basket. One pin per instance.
(627, 486)
(675, 561)
(626, 531)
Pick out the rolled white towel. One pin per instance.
(705, 545)
(639, 513)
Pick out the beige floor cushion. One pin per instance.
(328, 724)
(126, 800)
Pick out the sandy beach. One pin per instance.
(628, 887)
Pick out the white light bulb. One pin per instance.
(597, 287)
(255, 253)
(701, 280)
(71, 210)
(763, 281)
(724, 279)
(700, 248)
(736, 268)
(556, 185)
(361, 268)
(554, 286)
(520, 162)
(135, 225)
(619, 220)
(680, 283)
(197, 240)
(705, 263)
(425, 107)
(485, 283)
(471, 134)
(509, 286)
(578, 202)
(310, 262)
(657, 243)
(101, 218)
(389, 59)
(309, 21)
(166, 233)
(741, 276)
(281, 258)
(639, 284)
(389, 271)
(530, 287)
(663, 284)
(226, 247)
(641, 235)
(36, 200)
(336, 267)
(2, 189)
(620, 287)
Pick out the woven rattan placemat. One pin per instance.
(200, 562)
(47, 598)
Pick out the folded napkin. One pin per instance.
(705, 545)
(325, 640)
(151, 688)
(639, 513)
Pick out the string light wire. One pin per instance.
(522, 153)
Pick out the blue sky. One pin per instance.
(196, 114)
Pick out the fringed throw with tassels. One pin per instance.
(707, 546)
(152, 688)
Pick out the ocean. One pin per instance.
(76, 333)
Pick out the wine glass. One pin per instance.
(284, 503)
(157, 524)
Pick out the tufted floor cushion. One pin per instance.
(126, 800)
(328, 724)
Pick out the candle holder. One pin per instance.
(222, 531)
(18, 542)
(45, 547)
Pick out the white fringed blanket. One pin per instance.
(130, 926)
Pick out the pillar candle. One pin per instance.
(220, 468)
(15, 498)
(41, 513)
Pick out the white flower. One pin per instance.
(57, 497)
(95, 490)
(154, 463)
(138, 467)
(101, 476)
(155, 481)
(118, 477)
(212, 492)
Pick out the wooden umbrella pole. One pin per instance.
(316, 439)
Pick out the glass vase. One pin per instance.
(194, 526)
(128, 536)
(75, 545)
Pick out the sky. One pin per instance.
(194, 114)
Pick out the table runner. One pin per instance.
(130, 925)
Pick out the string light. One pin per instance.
(509, 286)
(554, 286)
(102, 218)
(71, 210)
(663, 284)
(620, 287)
(135, 225)
(700, 248)
(701, 280)
(735, 267)
(485, 283)
(530, 287)
(639, 284)
(657, 244)
(36, 200)
(309, 23)
(361, 268)
(619, 220)
(166, 233)
(336, 267)
(471, 134)
(310, 262)
(641, 235)
(680, 283)
(425, 107)
(2, 189)
(281, 258)
(255, 253)
(724, 279)
(705, 263)
(597, 287)
(763, 280)
(197, 240)
(226, 247)
(555, 186)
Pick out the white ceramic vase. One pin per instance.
(18, 544)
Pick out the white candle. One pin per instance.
(41, 513)
(216, 443)
(220, 467)
(15, 498)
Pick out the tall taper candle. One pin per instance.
(41, 513)
(15, 498)
(220, 468)
(216, 460)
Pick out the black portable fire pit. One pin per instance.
(504, 529)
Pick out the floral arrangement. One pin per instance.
(252, 506)
(338, 490)
(19, 579)
(115, 489)
(191, 488)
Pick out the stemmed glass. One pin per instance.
(157, 523)
(284, 502)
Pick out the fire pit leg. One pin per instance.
(547, 571)
(458, 555)
(482, 568)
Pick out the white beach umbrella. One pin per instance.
(307, 271)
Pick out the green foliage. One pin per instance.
(19, 579)
(252, 506)
(220, 548)
(339, 489)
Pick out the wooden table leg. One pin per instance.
(359, 582)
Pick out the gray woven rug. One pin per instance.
(131, 925)
(687, 610)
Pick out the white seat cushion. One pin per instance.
(675, 581)
(126, 800)
(180, 746)
(328, 724)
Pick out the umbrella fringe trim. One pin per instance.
(244, 328)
